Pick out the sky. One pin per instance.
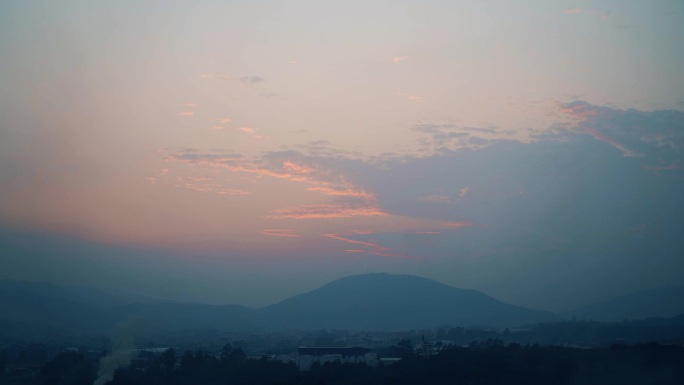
(245, 151)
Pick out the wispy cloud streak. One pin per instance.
(375, 249)
(285, 233)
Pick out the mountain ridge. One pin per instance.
(662, 301)
(375, 301)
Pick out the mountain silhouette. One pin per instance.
(382, 301)
(378, 301)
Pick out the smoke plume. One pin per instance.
(122, 349)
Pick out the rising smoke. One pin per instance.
(121, 353)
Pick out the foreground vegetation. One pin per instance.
(491, 362)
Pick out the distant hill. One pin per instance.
(395, 302)
(362, 302)
(30, 308)
(35, 307)
(664, 301)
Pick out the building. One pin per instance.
(307, 355)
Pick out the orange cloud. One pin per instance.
(225, 120)
(398, 59)
(186, 113)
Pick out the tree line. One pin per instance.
(484, 363)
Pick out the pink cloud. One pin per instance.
(671, 166)
(347, 200)
(208, 185)
(253, 132)
(579, 111)
(590, 12)
(398, 59)
(572, 11)
(362, 232)
(232, 191)
(375, 248)
(415, 98)
(458, 224)
(280, 233)
(341, 192)
(348, 240)
(600, 136)
(325, 211)
(186, 113)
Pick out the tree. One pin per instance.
(403, 349)
(168, 360)
(231, 355)
(68, 368)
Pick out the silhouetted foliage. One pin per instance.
(68, 368)
(403, 349)
(484, 363)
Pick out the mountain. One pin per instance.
(30, 308)
(361, 302)
(664, 301)
(395, 302)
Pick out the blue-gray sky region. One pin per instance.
(241, 152)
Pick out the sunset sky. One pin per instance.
(245, 151)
